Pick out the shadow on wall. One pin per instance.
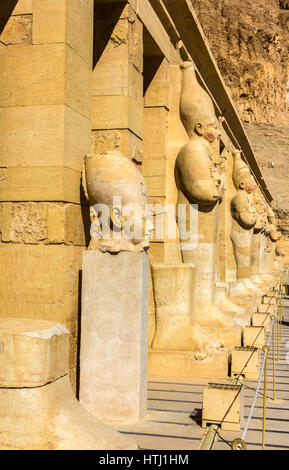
(106, 18)
(6, 9)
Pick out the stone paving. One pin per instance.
(174, 412)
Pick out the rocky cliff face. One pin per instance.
(250, 42)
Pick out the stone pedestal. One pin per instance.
(254, 336)
(245, 362)
(269, 300)
(113, 354)
(188, 365)
(262, 319)
(38, 409)
(266, 308)
(223, 404)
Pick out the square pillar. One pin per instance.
(113, 353)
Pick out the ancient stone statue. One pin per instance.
(256, 253)
(117, 195)
(279, 259)
(176, 327)
(244, 219)
(199, 190)
(273, 236)
(196, 173)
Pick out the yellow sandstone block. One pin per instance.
(45, 67)
(33, 352)
(18, 30)
(223, 404)
(245, 362)
(44, 223)
(23, 7)
(117, 112)
(67, 21)
(185, 364)
(40, 282)
(269, 300)
(57, 76)
(118, 139)
(43, 136)
(157, 252)
(157, 93)
(156, 185)
(77, 83)
(266, 308)
(154, 167)
(254, 336)
(40, 184)
(117, 78)
(155, 137)
(262, 319)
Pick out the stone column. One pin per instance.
(117, 80)
(113, 356)
(45, 131)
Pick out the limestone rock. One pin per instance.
(249, 40)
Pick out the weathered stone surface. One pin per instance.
(42, 282)
(157, 93)
(41, 184)
(118, 30)
(38, 408)
(50, 418)
(59, 76)
(113, 357)
(23, 7)
(121, 139)
(229, 413)
(18, 30)
(44, 223)
(117, 112)
(47, 136)
(45, 63)
(250, 42)
(155, 150)
(270, 144)
(116, 79)
(33, 352)
(68, 21)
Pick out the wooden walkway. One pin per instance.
(174, 412)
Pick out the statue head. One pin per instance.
(117, 195)
(243, 211)
(197, 176)
(273, 232)
(196, 107)
(279, 250)
(242, 177)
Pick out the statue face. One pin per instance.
(138, 228)
(274, 234)
(243, 211)
(209, 131)
(247, 183)
(259, 224)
